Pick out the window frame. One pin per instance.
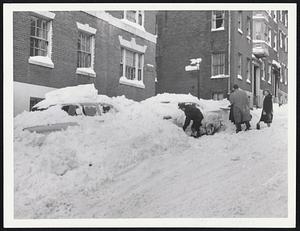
(42, 60)
(270, 73)
(240, 66)
(275, 41)
(221, 65)
(136, 21)
(269, 37)
(214, 20)
(240, 22)
(248, 71)
(90, 33)
(263, 76)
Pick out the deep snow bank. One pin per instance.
(101, 167)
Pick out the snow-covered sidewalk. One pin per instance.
(136, 165)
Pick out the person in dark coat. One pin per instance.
(192, 113)
(267, 111)
(241, 110)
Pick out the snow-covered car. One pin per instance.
(215, 113)
(76, 101)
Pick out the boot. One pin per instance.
(247, 126)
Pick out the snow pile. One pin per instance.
(135, 164)
(74, 94)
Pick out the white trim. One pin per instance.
(45, 14)
(219, 76)
(125, 20)
(86, 71)
(277, 64)
(132, 45)
(239, 77)
(240, 31)
(119, 23)
(44, 61)
(260, 17)
(218, 29)
(86, 28)
(260, 41)
(248, 37)
(134, 83)
(248, 81)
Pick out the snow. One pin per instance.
(41, 60)
(274, 62)
(134, 164)
(86, 71)
(74, 94)
(135, 82)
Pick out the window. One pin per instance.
(281, 39)
(286, 44)
(269, 36)
(248, 27)
(240, 21)
(135, 16)
(218, 96)
(33, 101)
(269, 73)
(275, 42)
(281, 73)
(218, 20)
(285, 75)
(38, 36)
(85, 50)
(248, 70)
(286, 19)
(281, 15)
(131, 66)
(131, 63)
(41, 38)
(240, 64)
(263, 69)
(218, 64)
(275, 15)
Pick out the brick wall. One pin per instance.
(64, 55)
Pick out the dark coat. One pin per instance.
(231, 114)
(267, 112)
(192, 113)
(241, 109)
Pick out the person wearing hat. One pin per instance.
(267, 111)
(192, 113)
(240, 108)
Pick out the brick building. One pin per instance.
(223, 39)
(115, 50)
(257, 60)
(270, 54)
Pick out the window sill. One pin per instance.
(136, 25)
(263, 79)
(240, 31)
(249, 38)
(269, 83)
(248, 81)
(86, 71)
(218, 29)
(219, 76)
(134, 83)
(239, 77)
(41, 61)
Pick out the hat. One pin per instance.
(235, 86)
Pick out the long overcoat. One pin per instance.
(240, 104)
(267, 112)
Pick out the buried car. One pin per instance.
(215, 113)
(61, 107)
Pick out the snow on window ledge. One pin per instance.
(86, 71)
(239, 30)
(249, 38)
(269, 82)
(134, 83)
(44, 61)
(248, 81)
(218, 29)
(219, 76)
(136, 25)
(239, 77)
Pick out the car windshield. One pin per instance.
(89, 110)
(70, 109)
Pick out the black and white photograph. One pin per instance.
(168, 114)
